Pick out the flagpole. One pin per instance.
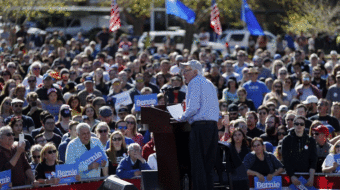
(152, 18)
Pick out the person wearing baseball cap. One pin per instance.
(311, 103)
(320, 134)
(47, 84)
(89, 89)
(333, 93)
(106, 115)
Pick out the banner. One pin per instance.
(123, 98)
(95, 154)
(5, 179)
(145, 101)
(302, 186)
(337, 160)
(274, 184)
(66, 173)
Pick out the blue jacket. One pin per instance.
(62, 149)
(125, 171)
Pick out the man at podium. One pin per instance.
(202, 113)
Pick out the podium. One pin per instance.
(172, 145)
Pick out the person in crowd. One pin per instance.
(64, 118)
(301, 109)
(317, 81)
(230, 93)
(90, 112)
(261, 163)
(242, 110)
(100, 83)
(16, 125)
(106, 115)
(333, 92)
(6, 108)
(20, 92)
(116, 151)
(52, 105)
(256, 90)
(335, 110)
(28, 124)
(263, 71)
(74, 103)
(35, 156)
(132, 165)
(331, 80)
(277, 93)
(297, 144)
(262, 115)
(40, 130)
(97, 103)
(148, 148)
(288, 88)
(283, 74)
(49, 125)
(311, 104)
(32, 84)
(72, 134)
(89, 89)
(270, 135)
(48, 84)
(12, 157)
(320, 135)
(307, 88)
(40, 139)
(223, 105)
(323, 116)
(240, 64)
(102, 132)
(79, 146)
(34, 71)
(32, 109)
(229, 72)
(233, 112)
(252, 130)
(330, 164)
(282, 131)
(131, 131)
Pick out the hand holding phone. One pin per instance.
(21, 137)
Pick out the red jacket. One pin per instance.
(148, 149)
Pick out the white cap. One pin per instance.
(194, 64)
(311, 99)
(333, 52)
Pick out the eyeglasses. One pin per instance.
(290, 119)
(283, 73)
(11, 67)
(130, 122)
(18, 105)
(263, 113)
(316, 134)
(117, 139)
(140, 80)
(36, 68)
(277, 86)
(279, 133)
(102, 131)
(122, 127)
(52, 151)
(301, 124)
(10, 134)
(36, 157)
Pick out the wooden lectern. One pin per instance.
(172, 145)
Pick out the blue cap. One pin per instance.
(47, 75)
(277, 56)
(269, 147)
(88, 79)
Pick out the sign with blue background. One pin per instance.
(95, 154)
(66, 173)
(302, 186)
(5, 179)
(145, 100)
(274, 184)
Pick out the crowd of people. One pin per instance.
(276, 112)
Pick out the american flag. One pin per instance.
(215, 18)
(115, 18)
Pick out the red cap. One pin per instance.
(322, 129)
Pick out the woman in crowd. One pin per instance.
(6, 75)
(329, 82)
(277, 64)
(52, 105)
(230, 93)
(90, 112)
(288, 88)
(260, 163)
(102, 132)
(7, 90)
(282, 131)
(64, 118)
(6, 108)
(277, 92)
(131, 131)
(100, 82)
(74, 103)
(330, 165)
(335, 110)
(20, 92)
(117, 151)
(223, 105)
(283, 73)
(35, 156)
(160, 80)
(221, 84)
(242, 98)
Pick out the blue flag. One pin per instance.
(249, 18)
(177, 8)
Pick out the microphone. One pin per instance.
(170, 88)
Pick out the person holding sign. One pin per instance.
(117, 151)
(202, 113)
(132, 165)
(45, 172)
(80, 145)
(332, 161)
(261, 163)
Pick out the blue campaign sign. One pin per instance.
(5, 179)
(145, 100)
(95, 154)
(274, 184)
(302, 186)
(337, 160)
(66, 173)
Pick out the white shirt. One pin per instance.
(39, 81)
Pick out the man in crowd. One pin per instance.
(320, 135)
(270, 135)
(32, 110)
(312, 105)
(230, 71)
(317, 80)
(262, 114)
(47, 84)
(233, 112)
(333, 93)
(49, 125)
(12, 157)
(263, 72)
(106, 115)
(323, 116)
(299, 152)
(252, 119)
(307, 88)
(63, 145)
(89, 89)
(240, 64)
(77, 147)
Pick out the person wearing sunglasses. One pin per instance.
(330, 165)
(320, 134)
(35, 156)
(6, 108)
(12, 158)
(324, 117)
(102, 132)
(116, 151)
(131, 132)
(45, 170)
(299, 152)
